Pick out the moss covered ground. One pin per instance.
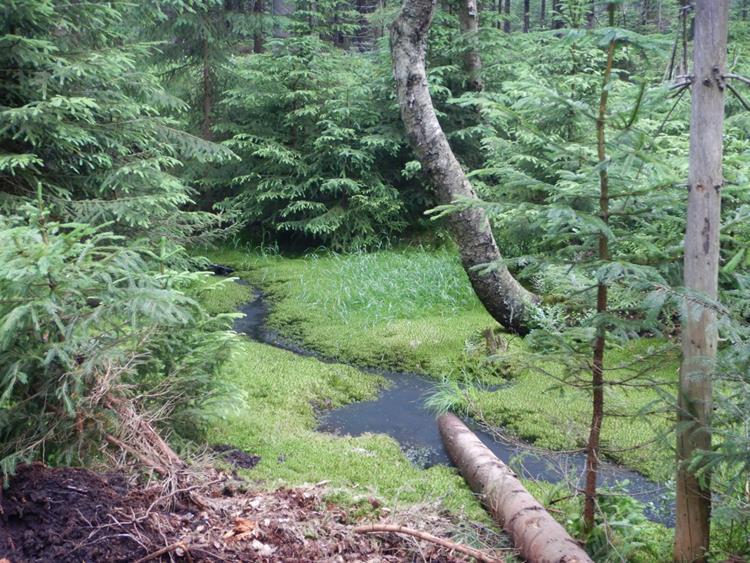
(275, 418)
(275, 397)
(414, 310)
(411, 310)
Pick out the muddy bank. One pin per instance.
(400, 412)
(72, 515)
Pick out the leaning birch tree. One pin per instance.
(504, 298)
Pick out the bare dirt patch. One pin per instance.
(68, 514)
(236, 457)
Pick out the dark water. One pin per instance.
(399, 412)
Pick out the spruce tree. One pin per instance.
(92, 220)
(81, 122)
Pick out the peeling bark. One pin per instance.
(503, 297)
(537, 535)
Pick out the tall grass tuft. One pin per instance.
(388, 285)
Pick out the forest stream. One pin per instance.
(400, 412)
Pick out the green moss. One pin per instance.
(408, 310)
(537, 408)
(222, 295)
(275, 417)
(277, 395)
(414, 310)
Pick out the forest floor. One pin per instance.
(402, 310)
(72, 515)
(406, 310)
(413, 310)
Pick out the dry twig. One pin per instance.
(164, 550)
(466, 550)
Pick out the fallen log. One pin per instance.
(538, 536)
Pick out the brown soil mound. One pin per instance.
(77, 515)
(59, 515)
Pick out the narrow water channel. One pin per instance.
(399, 411)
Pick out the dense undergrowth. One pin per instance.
(118, 154)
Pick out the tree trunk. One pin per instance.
(364, 37)
(699, 334)
(684, 11)
(503, 297)
(506, 13)
(543, 13)
(645, 8)
(659, 25)
(593, 450)
(337, 38)
(207, 93)
(526, 10)
(591, 14)
(469, 21)
(670, 69)
(557, 21)
(280, 9)
(258, 43)
(535, 533)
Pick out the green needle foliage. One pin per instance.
(536, 130)
(131, 132)
(86, 322)
(92, 219)
(196, 39)
(318, 160)
(80, 119)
